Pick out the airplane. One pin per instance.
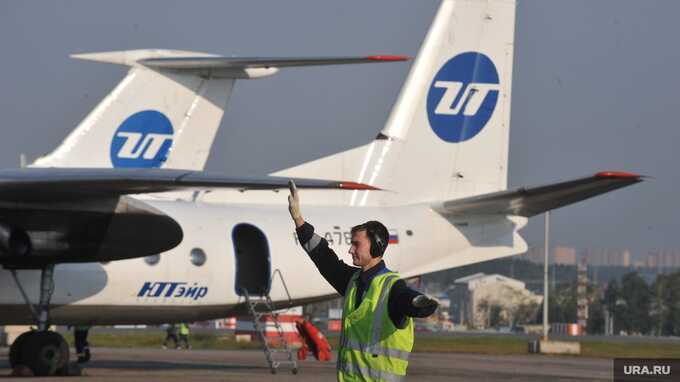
(121, 225)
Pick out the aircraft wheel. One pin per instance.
(15, 349)
(45, 353)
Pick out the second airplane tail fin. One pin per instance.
(167, 110)
(153, 118)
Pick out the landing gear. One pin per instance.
(45, 353)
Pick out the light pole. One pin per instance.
(545, 275)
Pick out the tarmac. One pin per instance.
(131, 365)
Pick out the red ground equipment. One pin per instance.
(314, 341)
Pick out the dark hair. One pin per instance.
(376, 233)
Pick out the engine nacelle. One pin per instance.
(94, 230)
(14, 241)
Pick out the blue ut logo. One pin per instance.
(142, 140)
(462, 97)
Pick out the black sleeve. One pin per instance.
(399, 304)
(334, 270)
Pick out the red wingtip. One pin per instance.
(356, 186)
(389, 58)
(617, 175)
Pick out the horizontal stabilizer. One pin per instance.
(260, 62)
(536, 200)
(62, 184)
(215, 66)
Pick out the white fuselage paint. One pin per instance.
(97, 293)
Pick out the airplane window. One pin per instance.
(198, 257)
(153, 259)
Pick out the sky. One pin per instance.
(595, 88)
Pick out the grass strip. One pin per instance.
(505, 345)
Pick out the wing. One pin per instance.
(535, 200)
(64, 184)
(58, 215)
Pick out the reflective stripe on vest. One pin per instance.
(382, 304)
(351, 368)
(375, 350)
(350, 284)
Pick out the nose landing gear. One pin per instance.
(44, 352)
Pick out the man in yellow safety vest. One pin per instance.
(377, 325)
(184, 336)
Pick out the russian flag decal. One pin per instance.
(394, 237)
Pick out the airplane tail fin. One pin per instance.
(447, 135)
(152, 118)
(167, 110)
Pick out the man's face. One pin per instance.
(360, 249)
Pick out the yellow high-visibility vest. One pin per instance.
(183, 329)
(371, 348)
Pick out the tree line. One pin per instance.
(638, 307)
(638, 302)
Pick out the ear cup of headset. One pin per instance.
(374, 245)
(377, 245)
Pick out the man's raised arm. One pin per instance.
(334, 270)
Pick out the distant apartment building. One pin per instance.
(558, 255)
(564, 255)
(607, 257)
(663, 259)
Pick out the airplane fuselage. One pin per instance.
(245, 242)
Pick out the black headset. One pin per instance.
(378, 245)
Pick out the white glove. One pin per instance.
(294, 203)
